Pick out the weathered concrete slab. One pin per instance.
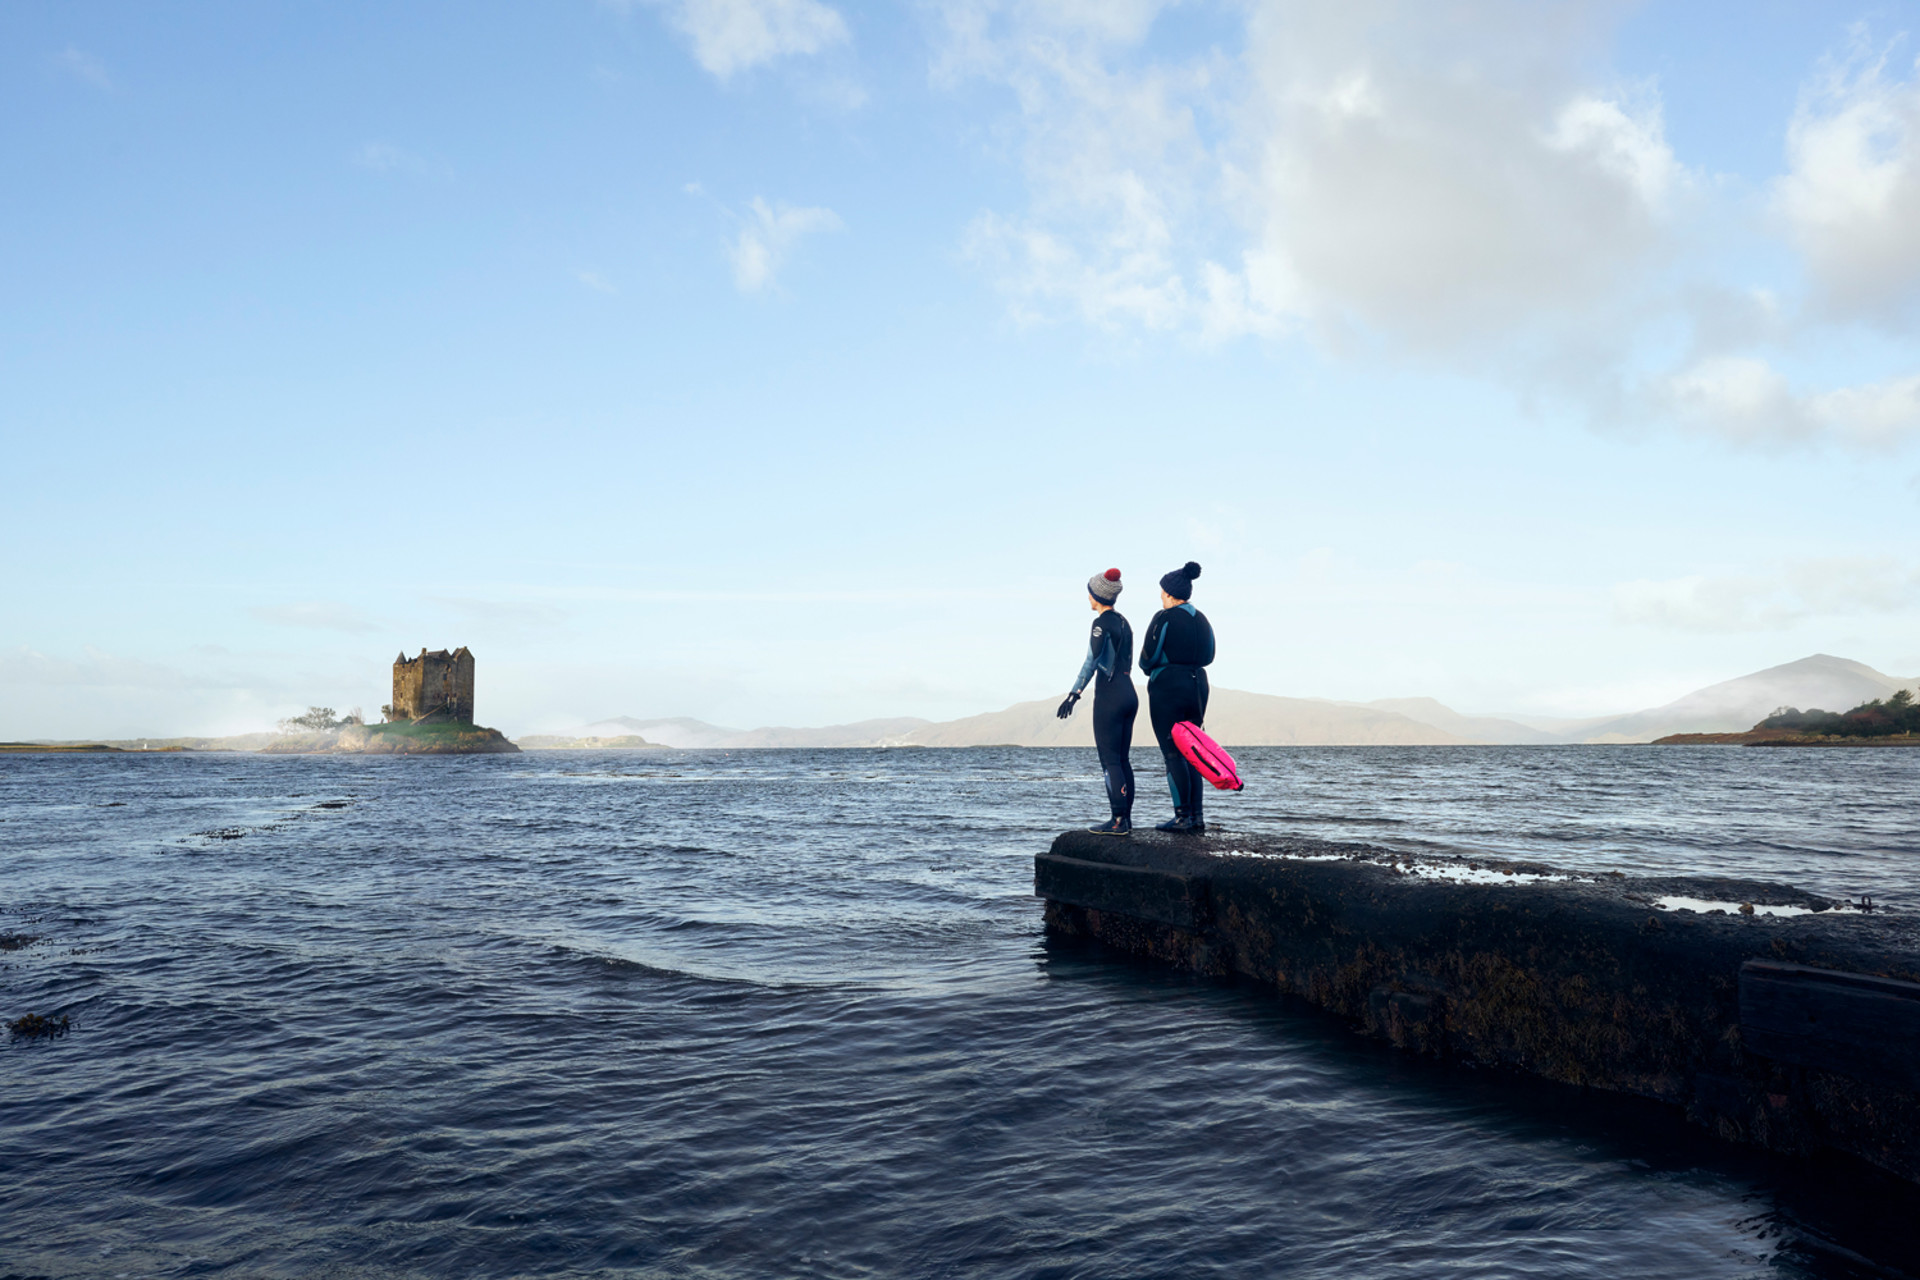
(1789, 1031)
(1139, 892)
(1859, 1025)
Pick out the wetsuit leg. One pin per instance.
(1201, 692)
(1179, 694)
(1115, 705)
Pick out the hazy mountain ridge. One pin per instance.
(1822, 680)
(1240, 718)
(1469, 728)
(681, 731)
(1233, 715)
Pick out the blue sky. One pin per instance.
(778, 361)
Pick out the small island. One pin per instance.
(431, 714)
(1894, 722)
(560, 742)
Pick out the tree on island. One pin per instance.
(319, 720)
(1877, 719)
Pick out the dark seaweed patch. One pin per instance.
(15, 941)
(33, 1026)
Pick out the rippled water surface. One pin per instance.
(792, 1013)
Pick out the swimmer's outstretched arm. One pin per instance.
(1099, 658)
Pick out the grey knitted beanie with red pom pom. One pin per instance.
(1105, 587)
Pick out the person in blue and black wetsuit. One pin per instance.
(1175, 653)
(1109, 665)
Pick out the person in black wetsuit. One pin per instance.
(1109, 665)
(1175, 653)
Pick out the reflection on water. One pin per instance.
(792, 1013)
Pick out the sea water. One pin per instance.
(794, 1014)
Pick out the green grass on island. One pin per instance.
(442, 731)
(432, 737)
(441, 737)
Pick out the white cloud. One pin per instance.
(1447, 182)
(1447, 187)
(1115, 167)
(1880, 413)
(1851, 196)
(1738, 396)
(1808, 589)
(1131, 281)
(730, 36)
(1748, 400)
(1633, 147)
(83, 67)
(595, 281)
(767, 235)
(1438, 193)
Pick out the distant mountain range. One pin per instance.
(1824, 681)
(1238, 718)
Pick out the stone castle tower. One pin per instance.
(438, 684)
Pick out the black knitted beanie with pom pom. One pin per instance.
(1179, 583)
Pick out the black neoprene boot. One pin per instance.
(1115, 827)
(1181, 822)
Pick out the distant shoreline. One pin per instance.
(75, 748)
(1782, 738)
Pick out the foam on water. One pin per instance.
(1708, 905)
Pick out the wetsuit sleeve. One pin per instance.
(1155, 641)
(1207, 627)
(1098, 645)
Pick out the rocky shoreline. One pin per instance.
(439, 738)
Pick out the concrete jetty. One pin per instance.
(1770, 1016)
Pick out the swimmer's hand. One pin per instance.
(1066, 708)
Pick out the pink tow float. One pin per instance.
(1206, 755)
